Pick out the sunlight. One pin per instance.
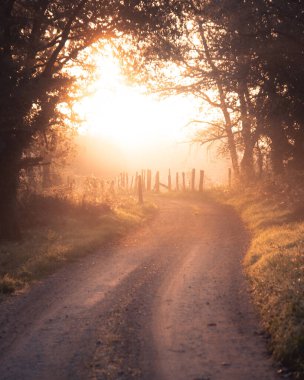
(129, 118)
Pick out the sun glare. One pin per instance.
(128, 117)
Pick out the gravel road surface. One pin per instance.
(168, 302)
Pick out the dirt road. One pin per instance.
(169, 302)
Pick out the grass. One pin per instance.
(273, 212)
(274, 263)
(56, 231)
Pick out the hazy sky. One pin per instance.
(127, 130)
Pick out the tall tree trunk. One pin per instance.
(10, 156)
(278, 144)
(247, 166)
(228, 129)
(9, 223)
(260, 160)
(298, 151)
(224, 108)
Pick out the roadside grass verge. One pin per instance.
(56, 231)
(274, 263)
(273, 212)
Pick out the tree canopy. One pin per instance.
(244, 58)
(39, 39)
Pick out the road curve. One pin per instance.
(169, 302)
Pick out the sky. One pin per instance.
(126, 129)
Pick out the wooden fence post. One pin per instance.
(143, 179)
(157, 182)
(149, 180)
(229, 178)
(201, 182)
(184, 181)
(140, 190)
(112, 185)
(177, 182)
(193, 180)
(132, 180)
(136, 182)
(169, 181)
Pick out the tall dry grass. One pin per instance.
(274, 213)
(62, 223)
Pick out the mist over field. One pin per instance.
(100, 157)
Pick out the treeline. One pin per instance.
(245, 59)
(45, 62)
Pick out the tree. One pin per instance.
(184, 58)
(250, 52)
(39, 41)
(268, 36)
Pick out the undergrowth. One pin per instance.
(274, 213)
(57, 230)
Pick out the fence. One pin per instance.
(94, 190)
(142, 182)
